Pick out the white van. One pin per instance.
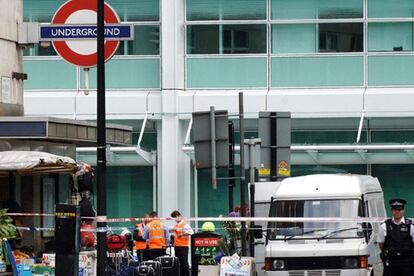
(324, 248)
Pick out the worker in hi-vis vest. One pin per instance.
(141, 245)
(157, 236)
(182, 233)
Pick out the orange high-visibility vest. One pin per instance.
(140, 245)
(179, 239)
(156, 235)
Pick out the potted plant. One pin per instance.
(7, 228)
(7, 231)
(232, 241)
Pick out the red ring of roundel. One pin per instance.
(62, 47)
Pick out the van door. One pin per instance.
(374, 205)
(370, 211)
(260, 210)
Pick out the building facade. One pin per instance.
(11, 67)
(329, 62)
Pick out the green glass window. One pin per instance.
(41, 49)
(406, 136)
(285, 38)
(390, 8)
(314, 9)
(390, 70)
(394, 36)
(129, 73)
(317, 71)
(317, 38)
(133, 10)
(146, 42)
(226, 39)
(396, 182)
(226, 72)
(326, 137)
(127, 10)
(299, 170)
(226, 9)
(125, 197)
(40, 71)
(40, 10)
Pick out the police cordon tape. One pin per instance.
(131, 229)
(222, 218)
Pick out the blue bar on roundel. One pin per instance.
(79, 32)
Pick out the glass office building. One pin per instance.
(326, 61)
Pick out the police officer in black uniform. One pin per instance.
(396, 240)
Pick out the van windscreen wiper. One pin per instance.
(337, 231)
(304, 233)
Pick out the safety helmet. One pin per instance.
(125, 232)
(208, 227)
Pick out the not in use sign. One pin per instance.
(76, 32)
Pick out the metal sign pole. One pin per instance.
(252, 164)
(252, 191)
(232, 170)
(101, 150)
(213, 147)
(242, 178)
(273, 149)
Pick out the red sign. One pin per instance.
(206, 242)
(83, 53)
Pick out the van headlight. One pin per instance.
(278, 264)
(351, 262)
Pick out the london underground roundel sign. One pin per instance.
(83, 52)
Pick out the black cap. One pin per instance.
(397, 203)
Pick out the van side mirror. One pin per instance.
(367, 229)
(257, 231)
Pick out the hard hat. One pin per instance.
(125, 232)
(208, 227)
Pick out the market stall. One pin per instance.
(30, 251)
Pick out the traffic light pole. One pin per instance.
(101, 143)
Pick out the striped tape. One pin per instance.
(131, 229)
(221, 219)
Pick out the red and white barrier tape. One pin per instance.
(228, 219)
(30, 215)
(131, 229)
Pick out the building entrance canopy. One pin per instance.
(48, 129)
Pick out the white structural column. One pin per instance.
(170, 155)
(184, 173)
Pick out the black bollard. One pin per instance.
(67, 239)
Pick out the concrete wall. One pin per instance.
(11, 90)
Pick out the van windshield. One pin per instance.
(335, 208)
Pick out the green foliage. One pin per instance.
(231, 243)
(7, 228)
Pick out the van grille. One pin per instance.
(315, 273)
(296, 273)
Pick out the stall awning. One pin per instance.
(35, 162)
